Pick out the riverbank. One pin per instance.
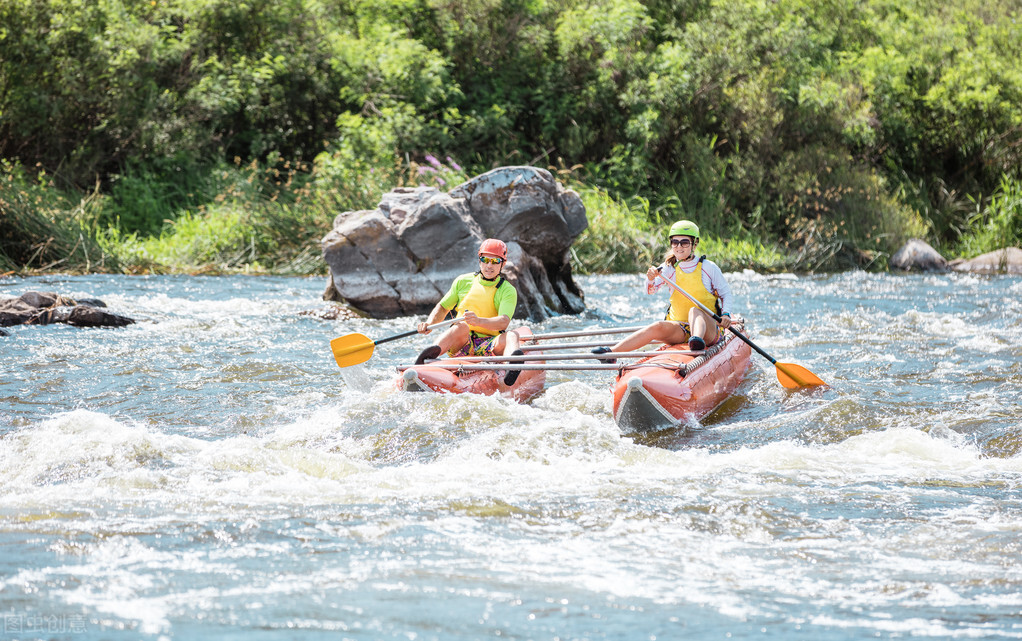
(269, 219)
(253, 225)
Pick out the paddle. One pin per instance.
(358, 348)
(789, 375)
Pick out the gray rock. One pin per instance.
(89, 316)
(1001, 261)
(917, 255)
(43, 308)
(14, 311)
(399, 259)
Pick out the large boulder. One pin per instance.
(43, 308)
(1000, 261)
(917, 255)
(399, 259)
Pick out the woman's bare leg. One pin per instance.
(663, 331)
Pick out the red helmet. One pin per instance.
(493, 247)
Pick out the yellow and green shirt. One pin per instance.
(472, 292)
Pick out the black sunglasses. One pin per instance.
(680, 242)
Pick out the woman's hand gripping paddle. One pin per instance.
(789, 375)
(353, 349)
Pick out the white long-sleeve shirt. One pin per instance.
(712, 277)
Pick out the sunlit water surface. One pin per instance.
(210, 472)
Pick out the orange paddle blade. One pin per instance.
(795, 376)
(352, 349)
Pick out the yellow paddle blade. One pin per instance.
(795, 376)
(352, 349)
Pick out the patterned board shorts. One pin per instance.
(477, 345)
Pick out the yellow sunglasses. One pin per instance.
(490, 261)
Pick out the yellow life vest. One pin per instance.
(693, 284)
(479, 299)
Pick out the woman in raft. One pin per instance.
(685, 321)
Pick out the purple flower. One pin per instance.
(453, 164)
(433, 161)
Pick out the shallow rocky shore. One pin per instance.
(917, 255)
(44, 308)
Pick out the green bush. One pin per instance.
(828, 131)
(269, 218)
(44, 228)
(620, 237)
(998, 223)
(624, 237)
(143, 198)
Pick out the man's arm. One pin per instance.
(435, 316)
(494, 324)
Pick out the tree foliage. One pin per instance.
(833, 130)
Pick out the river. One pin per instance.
(210, 473)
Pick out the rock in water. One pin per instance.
(917, 255)
(399, 259)
(43, 308)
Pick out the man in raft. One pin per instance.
(685, 321)
(487, 302)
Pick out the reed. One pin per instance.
(43, 228)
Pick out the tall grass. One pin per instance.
(625, 237)
(262, 219)
(43, 228)
(620, 237)
(997, 223)
(270, 218)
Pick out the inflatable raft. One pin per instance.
(444, 375)
(663, 391)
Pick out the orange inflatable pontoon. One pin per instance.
(431, 377)
(661, 392)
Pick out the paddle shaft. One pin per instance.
(586, 332)
(445, 323)
(344, 351)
